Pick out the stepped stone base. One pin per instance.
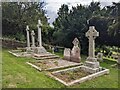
(45, 56)
(91, 65)
(40, 50)
(91, 70)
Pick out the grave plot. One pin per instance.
(20, 53)
(51, 64)
(89, 70)
(75, 75)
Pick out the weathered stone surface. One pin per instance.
(28, 38)
(91, 64)
(40, 49)
(100, 56)
(67, 53)
(39, 33)
(91, 34)
(118, 58)
(33, 38)
(75, 53)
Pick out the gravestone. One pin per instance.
(118, 58)
(75, 53)
(40, 49)
(67, 53)
(53, 50)
(28, 38)
(100, 56)
(92, 65)
(33, 38)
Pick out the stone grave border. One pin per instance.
(14, 54)
(18, 55)
(89, 77)
(34, 66)
(38, 68)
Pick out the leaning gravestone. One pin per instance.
(75, 53)
(92, 65)
(67, 52)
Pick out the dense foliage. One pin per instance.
(75, 22)
(69, 24)
(15, 17)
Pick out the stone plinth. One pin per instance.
(91, 70)
(40, 50)
(92, 64)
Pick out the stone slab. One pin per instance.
(61, 63)
(20, 54)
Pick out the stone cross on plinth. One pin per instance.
(91, 35)
(28, 38)
(40, 49)
(91, 64)
(33, 38)
(39, 33)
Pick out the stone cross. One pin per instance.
(28, 38)
(75, 42)
(75, 53)
(91, 34)
(39, 33)
(33, 38)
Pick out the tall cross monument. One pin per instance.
(91, 34)
(40, 49)
(28, 38)
(39, 33)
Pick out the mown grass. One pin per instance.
(17, 74)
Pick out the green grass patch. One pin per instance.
(17, 74)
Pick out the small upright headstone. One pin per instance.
(75, 53)
(118, 58)
(67, 52)
(53, 50)
(100, 56)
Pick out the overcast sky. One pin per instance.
(52, 6)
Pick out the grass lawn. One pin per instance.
(17, 74)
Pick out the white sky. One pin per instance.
(52, 6)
